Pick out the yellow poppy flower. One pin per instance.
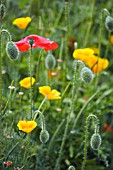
(83, 54)
(48, 93)
(26, 126)
(22, 23)
(26, 82)
(95, 63)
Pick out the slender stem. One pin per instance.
(54, 136)
(38, 65)
(35, 116)
(31, 88)
(26, 150)
(90, 25)
(7, 33)
(0, 69)
(82, 109)
(12, 150)
(62, 144)
(67, 26)
(65, 90)
(9, 97)
(68, 121)
(91, 116)
(108, 45)
(85, 146)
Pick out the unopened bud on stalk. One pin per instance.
(71, 168)
(12, 50)
(78, 65)
(50, 62)
(87, 75)
(95, 141)
(109, 23)
(44, 136)
(2, 11)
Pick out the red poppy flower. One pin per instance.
(40, 42)
(108, 128)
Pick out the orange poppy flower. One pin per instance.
(48, 93)
(26, 126)
(26, 82)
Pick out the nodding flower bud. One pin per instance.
(2, 11)
(71, 168)
(12, 50)
(95, 141)
(44, 136)
(87, 75)
(78, 65)
(109, 23)
(50, 62)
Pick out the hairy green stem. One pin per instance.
(68, 121)
(30, 74)
(0, 69)
(91, 116)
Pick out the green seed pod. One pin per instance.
(50, 62)
(109, 23)
(2, 11)
(78, 65)
(12, 51)
(86, 75)
(44, 136)
(71, 168)
(95, 141)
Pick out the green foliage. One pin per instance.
(49, 20)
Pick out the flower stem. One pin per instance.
(90, 25)
(82, 109)
(108, 45)
(31, 88)
(68, 121)
(91, 116)
(54, 136)
(35, 116)
(67, 26)
(0, 68)
(26, 150)
(9, 97)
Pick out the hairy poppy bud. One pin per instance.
(78, 65)
(12, 50)
(109, 23)
(87, 75)
(44, 136)
(95, 141)
(50, 61)
(71, 168)
(2, 11)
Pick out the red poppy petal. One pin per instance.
(22, 45)
(42, 42)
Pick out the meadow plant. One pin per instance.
(53, 83)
